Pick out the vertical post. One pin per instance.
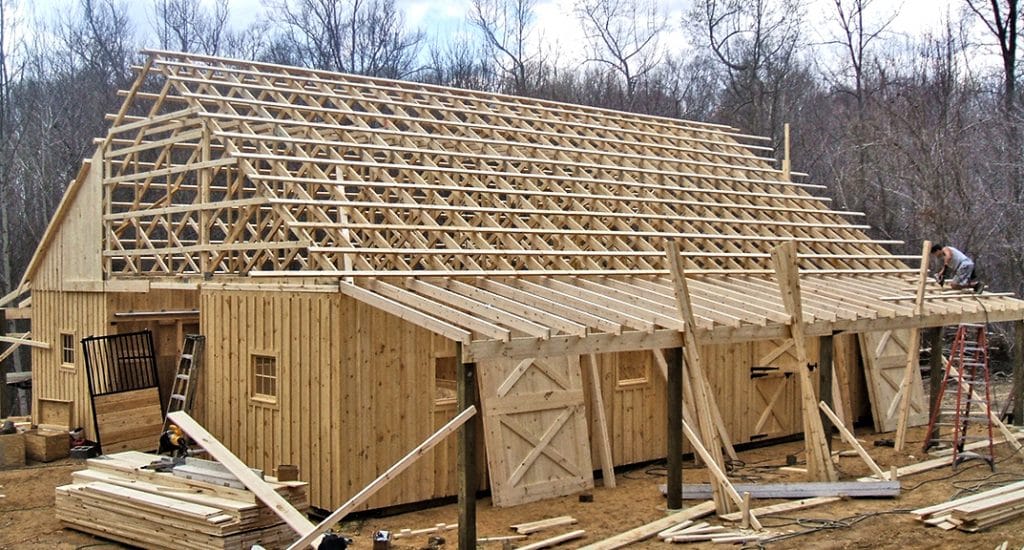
(936, 370)
(4, 388)
(1018, 373)
(785, 152)
(205, 180)
(825, 384)
(466, 396)
(674, 450)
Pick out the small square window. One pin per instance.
(631, 369)
(67, 349)
(444, 381)
(264, 378)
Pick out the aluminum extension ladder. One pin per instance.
(966, 380)
(183, 389)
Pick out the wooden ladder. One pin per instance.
(967, 370)
(182, 389)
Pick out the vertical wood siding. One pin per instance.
(81, 313)
(355, 392)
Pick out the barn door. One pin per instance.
(535, 428)
(885, 357)
(773, 390)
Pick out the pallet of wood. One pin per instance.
(976, 512)
(115, 499)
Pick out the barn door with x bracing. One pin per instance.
(885, 358)
(774, 390)
(535, 429)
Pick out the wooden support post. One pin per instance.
(937, 370)
(695, 370)
(745, 511)
(1018, 373)
(603, 442)
(674, 446)
(688, 413)
(786, 163)
(466, 397)
(819, 463)
(825, 378)
(913, 351)
(4, 388)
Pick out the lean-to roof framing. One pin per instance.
(498, 221)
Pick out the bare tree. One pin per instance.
(756, 41)
(855, 38)
(623, 35)
(359, 36)
(459, 62)
(187, 26)
(1001, 18)
(506, 26)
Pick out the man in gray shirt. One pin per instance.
(956, 265)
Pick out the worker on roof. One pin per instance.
(957, 265)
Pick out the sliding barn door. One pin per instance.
(535, 429)
(885, 357)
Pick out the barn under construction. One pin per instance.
(348, 245)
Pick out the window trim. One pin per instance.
(632, 383)
(61, 350)
(264, 399)
(443, 402)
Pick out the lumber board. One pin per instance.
(648, 530)
(782, 507)
(940, 508)
(926, 465)
(848, 436)
(557, 539)
(222, 454)
(313, 536)
(717, 473)
(604, 444)
(805, 489)
(534, 526)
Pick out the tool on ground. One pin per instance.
(183, 388)
(174, 442)
(966, 381)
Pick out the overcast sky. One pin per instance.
(439, 18)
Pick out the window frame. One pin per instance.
(64, 350)
(255, 378)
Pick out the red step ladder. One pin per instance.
(966, 380)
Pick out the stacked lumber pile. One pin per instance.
(976, 512)
(113, 498)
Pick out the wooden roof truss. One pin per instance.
(483, 217)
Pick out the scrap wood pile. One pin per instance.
(976, 512)
(115, 499)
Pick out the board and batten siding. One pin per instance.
(355, 392)
(80, 314)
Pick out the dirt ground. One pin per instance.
(27, 518)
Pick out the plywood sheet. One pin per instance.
(885, 356)
(535, 429)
